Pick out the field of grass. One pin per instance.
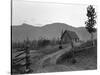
(85, 59)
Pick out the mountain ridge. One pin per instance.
(50, 31)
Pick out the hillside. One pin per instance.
(50, 31)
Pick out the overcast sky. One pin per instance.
(39, 13)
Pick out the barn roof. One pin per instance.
(71, 34)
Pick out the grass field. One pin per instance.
(85, 59)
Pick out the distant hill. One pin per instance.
(50, 31)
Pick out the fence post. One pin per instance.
(27, 51)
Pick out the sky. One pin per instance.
(42, 13)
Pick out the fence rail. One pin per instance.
(17, 59)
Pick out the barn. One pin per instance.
(69, 36)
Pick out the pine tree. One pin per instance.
(90, 23)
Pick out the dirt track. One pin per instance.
(86, 60)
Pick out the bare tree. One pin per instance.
(90, 23)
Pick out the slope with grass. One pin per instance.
(86, 59)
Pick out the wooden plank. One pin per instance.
(19, 54)
(19, 60)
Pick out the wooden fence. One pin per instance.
(18, 58)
